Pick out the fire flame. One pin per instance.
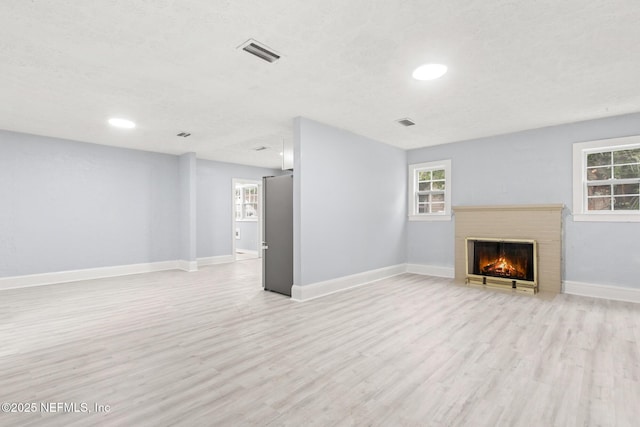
(502, 267)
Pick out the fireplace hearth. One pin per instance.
(502, 263)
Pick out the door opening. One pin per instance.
(247, 219)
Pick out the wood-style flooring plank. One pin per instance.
(212, 348)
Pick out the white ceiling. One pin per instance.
(66, 66)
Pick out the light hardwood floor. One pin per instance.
(212, 348)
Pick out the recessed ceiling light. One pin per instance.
(121, 123)
(429, 71)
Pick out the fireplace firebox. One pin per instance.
(502, 263)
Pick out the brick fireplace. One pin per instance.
(538, 225)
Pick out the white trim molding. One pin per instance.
(213, 260)
(605, 218)
(15, 282)
(188, 266)
(327, 287)
(431, 270)
(53, 278)
(247, 252)
(580, 152)
(616, 293)
(413, 191)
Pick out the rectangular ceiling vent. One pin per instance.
(260, 50)
(184, 134)
(406, 122)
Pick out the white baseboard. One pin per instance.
(26, 281)
(320, 289)
(84, 274)
(212, 260)
(431, 270)
(616, 293)
(247, 251)
(188, 266)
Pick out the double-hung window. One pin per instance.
(606, 180)
(429, 191)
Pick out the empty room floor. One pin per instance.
(212, 348)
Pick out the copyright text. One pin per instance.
(54, 407)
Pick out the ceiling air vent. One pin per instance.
(260, 50)
(406, 122)
(184, 134)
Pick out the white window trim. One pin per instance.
(580, 151)
(439, 216)
(242, 203)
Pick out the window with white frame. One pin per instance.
(606, 180)
(430, 191)
(246, 200)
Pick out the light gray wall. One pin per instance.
(187, 184)
(349, 203)
(67, 205)
(532, 167)
(248, 235)
(214, 203)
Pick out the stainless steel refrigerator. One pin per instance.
(277, 234)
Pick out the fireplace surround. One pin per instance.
(502, 263)
(541, 223)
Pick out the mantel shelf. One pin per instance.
(550, 207)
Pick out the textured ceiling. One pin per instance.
(66, 66)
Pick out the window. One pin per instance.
(246, 200)
(429, 191)
(606, 180)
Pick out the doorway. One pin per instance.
(247, 219)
